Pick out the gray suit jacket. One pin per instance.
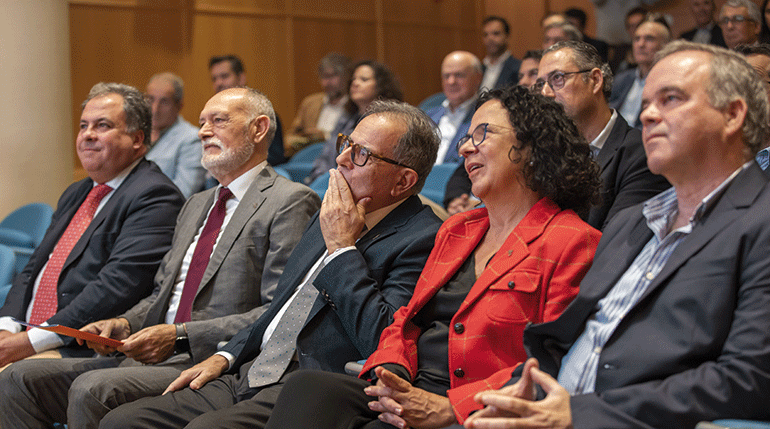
(243, 271)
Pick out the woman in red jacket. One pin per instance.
(493, 270)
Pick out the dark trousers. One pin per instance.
(324, 400)
(226, 402)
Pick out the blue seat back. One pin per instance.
(435, 183)
(7, 269)
(26, 226)
(320, 184)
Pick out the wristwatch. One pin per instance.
(182, 343)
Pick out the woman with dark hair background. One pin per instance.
(492, 271)
(368, 81)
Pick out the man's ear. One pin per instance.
(598, 81)
(138, 140)
(407, 178)
(242, 79)
(735, 116)
(258, 128)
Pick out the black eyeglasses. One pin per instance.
(555, 80)
(735, 19)
(359, 154)
(478, 135)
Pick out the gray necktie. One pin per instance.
(274, 358)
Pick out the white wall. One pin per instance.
(36, 147)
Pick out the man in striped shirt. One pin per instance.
(671, 325)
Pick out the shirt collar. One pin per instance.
(665, 205)
(463, 107)
(241, 184)
(599, 141)
(501, 59)
(117, 180)
(373, 218)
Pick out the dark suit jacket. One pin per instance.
(243, 271)
(601, 47)
(620, 89)
(509, 75)
(112, 265)
(359, 290)
(626, 180)
(697, 344)
(436, 113)
(275, 152)
(716, 36)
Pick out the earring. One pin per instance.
(531, 163)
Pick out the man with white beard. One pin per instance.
(229, 249)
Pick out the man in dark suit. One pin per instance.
(706, 29)
(670, 325)
(500, 67)
(573, 74)
(356, 264)
(263, 222)
(460, 78)
(626, 97)
(107, 236)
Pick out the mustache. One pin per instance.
(213, 141)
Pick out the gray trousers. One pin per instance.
(36, 393)
(225, 402)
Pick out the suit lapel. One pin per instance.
(186, 234)
(246, 209)
(737, 198)
(611, 145)
(389, 225)
(514, 250)
(52, 237)
(611, 261)
(100, 217)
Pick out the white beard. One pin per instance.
(229, 159)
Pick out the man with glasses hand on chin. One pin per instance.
(355, 265)
(573, 74)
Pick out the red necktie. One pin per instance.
(201, 256)
(46, 300)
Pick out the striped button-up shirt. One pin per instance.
(579, 366)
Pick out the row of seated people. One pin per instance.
(176, 149)
(516, 314)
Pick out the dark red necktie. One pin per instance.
(201, 256)
(46, 299)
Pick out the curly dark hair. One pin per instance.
(559, 165)
(387, 84)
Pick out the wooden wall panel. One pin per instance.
(338, 9)
(280, 42)
(313, 38)
(259, 41)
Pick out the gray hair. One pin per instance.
(418, 146)
(750, 6)
(334, 61)
(732, 78)
(585, 57)
(258, 104)
(136, 108)
(176, 82)
(569, 30)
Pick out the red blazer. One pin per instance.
(531, 279)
